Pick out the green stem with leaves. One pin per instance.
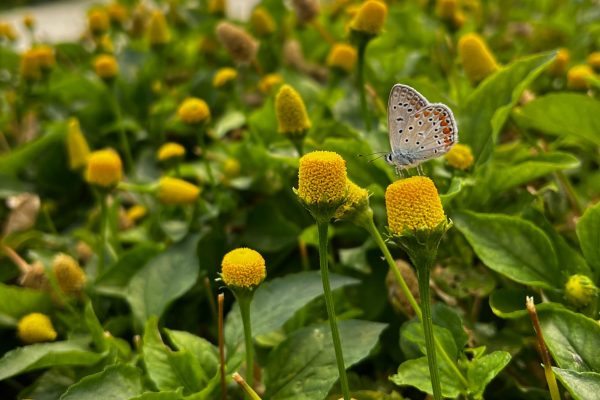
(103, 232)
(360, 82)
(335, 334)
(122, 135)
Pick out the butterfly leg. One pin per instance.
(420, 170)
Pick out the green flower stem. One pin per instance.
(369, 225)
(103, 231)
(360, 82)
(201, 144)
(337, 345)
(244, 302)
(121, 130)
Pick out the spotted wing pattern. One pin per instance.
(402, 103)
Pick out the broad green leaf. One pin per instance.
(487, 108)
(413, 332)
(304, 366)
(573, 339)
(177, 395)
(269, 230)
(588, 232)
(456, 186)
(482, 370)
(511, 246)
(230, 120)
(18, 301)
(206, 353)
(163, 279)
(446, 317)
(119, 381)
(563, 114)
(50, 385)
(277, 301)
(44, 355)
(416, 373)
(510, 303)
(168, 369)
(581, 385)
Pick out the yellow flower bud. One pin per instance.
(30, 67)
(45, 57)
(117, 13)
(577, 77)
(291, 112)
(217, 6)
(593, 60)
(223, 76)
(460, 156)
(322, 178)
(158, 30)
(193, 111)
(559, 66)
(357, 200)
(306, 10)
(98, 22)
(136, 212)
(262, 22)
(106, 44)
(445, 9)
(241, 46)
(104, 168)
(106, 66)
(7, 31)
(269, 82)
(170, 150)
(35, 328)
(342, 56)
(231, 167)
(477, 60)
(77, 146)
(69, 275)
(243, 267)
(29, 21)
(580, 290)
(413, 203)
(177, 191)
(370, 17)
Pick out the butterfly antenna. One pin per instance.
(378, 153)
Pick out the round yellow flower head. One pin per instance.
(413, 203)
(35, 328)
(223, 76)
(476, 58)
(269, 82)
(580, 290)
(45, 57)
(193, 111)
(460, 156)
(356, 201)
(458, 20)
(98, 22)
(169, 151)
(243, 268)
(30, 66)
(322, 178)
(106, 66)
(231, 167)
(177, 191)
(593, 60)
(306, 10)
(69, 275)
(241, 46)
(559, 66)
(342, 56)
(29, 21)
(104, 168)
(262, 22)
(217, 6)
(106, 44)
(445, 9)
(577, 77)
(291, 112)
(370, 17)
(136, 212)
(77, 146)
(158, 30)
(7, 31)
(117, 13)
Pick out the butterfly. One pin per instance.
(418, 130)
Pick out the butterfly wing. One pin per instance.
(403, 102)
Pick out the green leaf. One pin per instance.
(581, 385)
(573, 339)
(482, 370)
(268, 230)
(487, 108)
(206, 353)
(18, 302)
(304, 365)
(115, 382)
(446, 317)
(562, 114)
(177, 395)
(277, 301)
(163, 279)
(44, 355)
(413, 332)
(588, 232)
(167, 369)
(456, 186)
(510, 303)
(511, 246)
(50, 385)
(416, 373)
(230, 120)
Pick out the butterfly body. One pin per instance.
(418, 130)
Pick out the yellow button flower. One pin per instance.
(29, 21)
(136, 212)
(306, 10)
(577, 77)
(98, 22)
(342, 56)
(241, 46)
(104, 168)
(223, 76)
(322, 178)
(356, 201)
(580, 290)
(35, 328)
(158, 30)
(8, 32)
(262, 22)
(193, 111)
(445, 9)
(593, 60)
(117, 13)
(77, 147)
(106, 66)
(231, 167)
(69, 275)
(413, 203)
(45, 57)
(291, 112)
(177, 191)
(30, 67)
(370, 17)
(476, 58)
(217, 6)
(170, 150)
(559, 66)
(460, 156)
(243, 267)
(269, 82)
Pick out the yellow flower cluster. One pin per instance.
(158, 30)
(357, 198)
(177, 191)
(69, 275)
(77, 147)
(193, 111)
(136, 212)
(322, 178)
(476, 58)
(291, 113)
(460, 156)
(106, 66)
(370, 18)
(269, 82)
(559, 66)
(169, 151)
(262, 22)
(7, 31)
(223, 76)
(35, 328)
(593, 60)
(577, 77)
(35, 61)
(580, 290)
(117, 13)
(104, 168)
(243, 267)
(342, 56)
(98, 22)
